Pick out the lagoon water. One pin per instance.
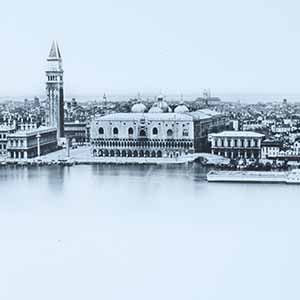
(145, 232)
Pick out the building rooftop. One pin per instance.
(209, 112)
(237, 134)
(272, 143)
(146, 116)
(198, 115)
(35, 131)
(6, 127)
(202, 114)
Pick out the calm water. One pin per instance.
(120, 232)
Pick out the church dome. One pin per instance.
(162, 104)
(181, 108)
(155, 109)
(138, 108)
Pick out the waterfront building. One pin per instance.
(5, 130)
(142, 135)
(236, 144)
(31, 143)
(158, 133)
(55, 90)
(270, 148)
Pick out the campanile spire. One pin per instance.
(55, 90)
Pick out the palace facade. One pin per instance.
(156, 133)
(236, 144)
(142, 135)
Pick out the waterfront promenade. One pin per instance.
(82, 155)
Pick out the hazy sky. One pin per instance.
(132, 46)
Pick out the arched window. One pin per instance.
(130, 130)
(115, 130)
(154, 131)
(101, 130)
(142, 132)
(170, 133)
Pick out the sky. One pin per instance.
(152, 46)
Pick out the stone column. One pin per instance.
(225, 142)
(213, 142)
(38, 137)
(68, 146)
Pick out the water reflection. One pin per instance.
(151, 232)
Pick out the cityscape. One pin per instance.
(224, 134)
(149, 150)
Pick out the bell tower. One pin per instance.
(55, 90)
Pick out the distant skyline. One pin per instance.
(126, 47)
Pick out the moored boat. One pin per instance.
(255, 176)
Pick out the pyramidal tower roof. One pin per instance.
(54, 51)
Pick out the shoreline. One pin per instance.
(82, 155)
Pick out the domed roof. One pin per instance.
(138, 108)
(163, 105)
(155, 109)
(181, 108)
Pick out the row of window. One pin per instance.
(234, 154)
(16, 143)
(2, 136)
(149, 123)
(234, 143)
(147, 144)
(2, 146)
(142, 132)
